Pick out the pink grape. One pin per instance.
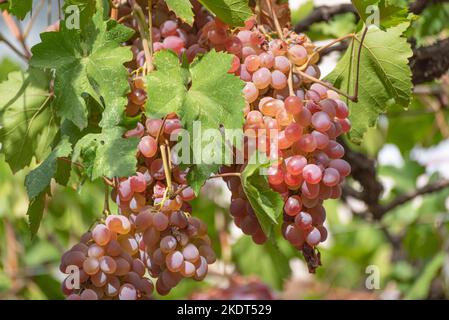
(293, 206)
(293, 105)
(278, 80)
(148, 146)
(262, 78)
(282, 64)
(174, 43)
(321, 121)
(312, 174)
(331, 177)
(298, 54)
(296, 164)
(314, 237)
(251, 92)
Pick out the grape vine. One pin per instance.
(142, 73)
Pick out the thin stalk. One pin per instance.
(13, 48)
(327, 85)
(359, 54)
(275, 20)
(143, 30)
(167, 170)
(15, 30)
(150, 26)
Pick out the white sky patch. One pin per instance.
(390, 155)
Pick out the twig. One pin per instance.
(145, 35)
(224, 175)
(275, 20)
(327, 85)
(406, 197)
(13, 48)
(15, 30)
(359, 55)
(167, 170)
(106, 208)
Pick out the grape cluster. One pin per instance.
(292, 116)
(176, 246)
(109, 264)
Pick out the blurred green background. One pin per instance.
(409, 246)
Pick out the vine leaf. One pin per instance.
(26, 118)
(107, 154)
(390, 14)
(40, 178)
(87, 63)
(267, 203)
(18, 8)
(36, 212)
(182, 9)
(387, 77)
(268, 261)
(232, 12)
(204, 94)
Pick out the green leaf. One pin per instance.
(416, 117)
(267, 204)
(389, 14)
(182, 9)
(205, 93)
(6, 67)
(87, 63)
(265, 261)
(421, 286)
(26, 118)
(19, 8)
(199, 174)
(386, 76)
(39, 179)
(35, 213)
(232, 12)
(107, 154)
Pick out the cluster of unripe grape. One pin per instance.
(108, 263)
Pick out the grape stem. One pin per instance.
(275, 20)
(167, 170)
(15, 30)
(178, 192)
(12, 47)
(228, 174)
(145, 35)
(150, 26)
(106, 208)
(359, 54)
(327, 85)
(330, 44)
(161, 129)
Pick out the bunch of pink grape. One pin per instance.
(149, 185)
(176, 246)
(168, 32)
(289, 115)
(108, 263)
